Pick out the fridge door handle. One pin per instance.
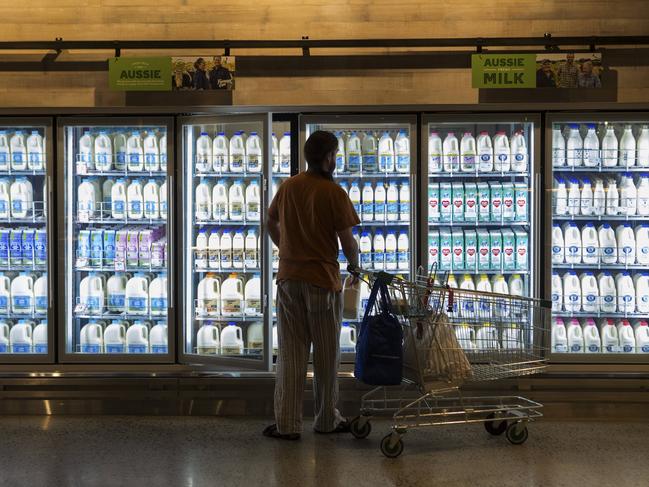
(170, 272)
(50, 217)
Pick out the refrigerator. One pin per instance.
(597, 240)
(26, 223)
(376, 165)
(481, 206)
(116, 234)
(225, 185)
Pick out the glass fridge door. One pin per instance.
(376, 165)
(226, 256)
(26, 168)
(117, 205)
(598, 236)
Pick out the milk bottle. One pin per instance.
(208, 296)
(625, 293)
(91, 294)
(151, 152)
(134, 152)
(151, 200)
(252, 201)
(220, 153)
(353, 150)
(468, 153)
(502, 152)
(39, 337)
(626, 337)
(560, 195)
(340, 153)
(386, 162)
(238, 249)
(275, 154)
(467, 304)
(599, 198)
(628, 195)
(137, 295)
(608, 292)
(589, 293)
(558, 148)
(252, 293)
(119, 146)
(586, 197)
(251, 250)
(35, 151)
(163, 200)
(137, 338)
(402, 152)
(40, 295)
(485, 153)
(626, 245)
(451, 153)
(571, 292)
(368, 203)
(86, 158)
(21, 193)
(232, 296)
(516, 285)
(391, 251)
(627, 148)
(641, 284)
(378, 246)
(22, 293)
(558, 245)
(575, 147)
(18, 151)
(369, 152)
(118, 199)
(107, 195)
(220, 201)
(518, 152)
(158, 295)
(642, 244)
(116, 292)
(609, 148)
(285, 153)
(254, 153)
(204, 161)
(232, 340)
(575, 337)
(5, 152)
(207, 250)
(135, 200)
(574, 197)
(573, 243)
(403, 251)
(487, 337)
(612, 198)
(642, 193)
(237, 153)
(91, 338)
(103, 152)
(445, 202)
(435, 152)
(610, 341)
(559, 337)
(642, 337)
(589, 244)
(355, 197)
(365, 249)
(163, 152)
(404, 202)
(115, 337)
(379, 202)
(592, 342)
(5, 294)
(642, 147)
(225, 249)
(591, 147)
(255, 337)
(236, 201)
(484, 285)
(207, 340)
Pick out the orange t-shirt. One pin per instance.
(311, 210)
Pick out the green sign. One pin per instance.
(503, 70)
(140, 73)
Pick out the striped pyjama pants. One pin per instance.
(307, 314)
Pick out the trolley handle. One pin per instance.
(356, 271)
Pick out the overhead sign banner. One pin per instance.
(503, 70)
(140, 73)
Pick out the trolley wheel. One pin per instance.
(495, 427)
(391, 450)
(360, 429)
(517, 433)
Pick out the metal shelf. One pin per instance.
(229, 175)
(600, 314)
(232, 223)
(25, 172)
(504, 223)
(395, 223)
(231, 270)
(601, 266)
(604, 218)
(41, 220)
(113, 268)
(369, 175)
(490, 272)
(126, 221)
(479, 175)
(123, 173)
(224, 319)
(23, 267)
(120, 316)
(598, 169)
(19, 316)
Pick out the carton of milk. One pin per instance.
(521, 196)
(458, 202)
(496, 191)
(96, 247)
(470, 250)
(158, 253)
(433, 249)
(458, 249)
(445, 202)
(496, 243)
(445, 249)
(433, 202)
(509, 208)
(522, 250)
(484, 250)
(121, 244)
(132, 247)
(509, 250)
(109, 247)
(470, 202)
(144, 247)
(484, 202)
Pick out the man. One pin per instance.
(201, 82)
(308, 215)
(568, 73)
(587, 79)
(545, 76)
(220, 77)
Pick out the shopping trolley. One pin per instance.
(454, 337)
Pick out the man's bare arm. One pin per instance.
(349, 245)
(273, 230)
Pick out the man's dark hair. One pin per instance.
(318, 146)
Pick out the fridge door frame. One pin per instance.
(412, 120)
(62, 123)
(52, 295)
(578, 117)
(222, 362)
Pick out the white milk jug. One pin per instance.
(40, 295)
(369, 151)
(468, 153)
(162, 194)
(22, 294)
(204, 159)
(367, 208)
(592, 341)
(591, 147)
(275, 158)
(502, 152)
(626, 337)
(236, 201)
(386, 153)
(573, 243)
(285, 153)
(574, 197)
(607, 244)
(627, 148)
(237, 153)
(20, 337)
(251, 250)
(642, 337)
(355, 198)
(158, 341)
(162, 147)
(207, 340)
(575, 337)
(625, 292)
(571, 292)
(612, 198)
(487, 337)
(589, 293)
(641, 284)
(608, 292)
(559, 336)
(512, 339)
(557, 292)
(151, 198)
(253, 201)
(203, 206)
(5, 151)
(232, 296)
(340, 153)
(254, 153)
(238, 249)
(589, 244)
(35, 151)
(135, 200)
(91, 294)
(558, 245)
(435, 152)
(255, 338)
(485, 153)
(451, 153)
(22, 198)
(253, 296)
(86, 157)
(642, 243)
(39, 337)
(91, 338)
(118, 199)
(379, 202)
(347, 338)
(232, 340)
(137, 295)
(560, 195)
(208, 296)
(558, 148)
(599, 198)
(220, 153)
(119, 147)
(137, 338)
(609, 148)
(103, 152)
(5, 294)
(402, 152)
(134, 152)
(465, 336)
(575, 147)
(5, 198)
(586, 197)
(518, 148)
(115, 337)
(201, 252)
(220, 201)
(643, 147)
(642, 194)
(626, 245)
(225, 250)
(158, 295)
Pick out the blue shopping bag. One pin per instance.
(379, 352)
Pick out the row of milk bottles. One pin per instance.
(24, 336)
(223, 202)
(387, 251)
(608, 337)
(25, 293)
(381, 202)
(371, 154)
(603, 293)
(500, 154)
(122, 199)
(137, 294)
(227, 250)
(137, 152)
(575, 151)
(487, 336)
(229, 298)
(581, 197)
(600, 245)
(470, 307)
(121, 336)
(20, 153)
(17, 198)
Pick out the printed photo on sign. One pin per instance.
(202, 73)
(569, 70)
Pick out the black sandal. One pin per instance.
(343, 427)
(272, 432)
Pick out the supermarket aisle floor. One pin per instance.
(173, 451)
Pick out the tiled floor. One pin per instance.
(207, 451)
